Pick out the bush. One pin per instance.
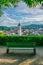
(37, 39)
(1, 33)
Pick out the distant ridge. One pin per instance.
(32, 26)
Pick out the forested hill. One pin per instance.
(32, 26)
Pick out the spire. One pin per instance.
(19, 29)
(19, 24)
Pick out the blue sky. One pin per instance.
(22, 13)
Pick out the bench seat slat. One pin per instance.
(20, 48)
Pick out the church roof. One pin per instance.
(19, 24)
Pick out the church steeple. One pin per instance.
(19, 24)
(19, 29)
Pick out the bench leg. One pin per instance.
(7, 51)
(34, 51)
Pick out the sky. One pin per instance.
(23, 14)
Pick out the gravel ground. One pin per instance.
(23, 57)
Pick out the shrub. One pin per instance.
(25, 39)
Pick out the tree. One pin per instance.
(1, 33)
(8, 4)
(30, 3)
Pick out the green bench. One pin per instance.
(21, 46)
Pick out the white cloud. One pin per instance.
(6, 21)
(35, 18)
(22, 13)
(23, 8)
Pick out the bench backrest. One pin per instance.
(21, 44)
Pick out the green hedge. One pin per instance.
(37, 39)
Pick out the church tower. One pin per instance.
(19, 29)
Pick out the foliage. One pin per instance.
(7, 3)
(1, 33)
(14, 2)
(37, 39)
(30, 3)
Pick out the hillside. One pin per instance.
(32, 26)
